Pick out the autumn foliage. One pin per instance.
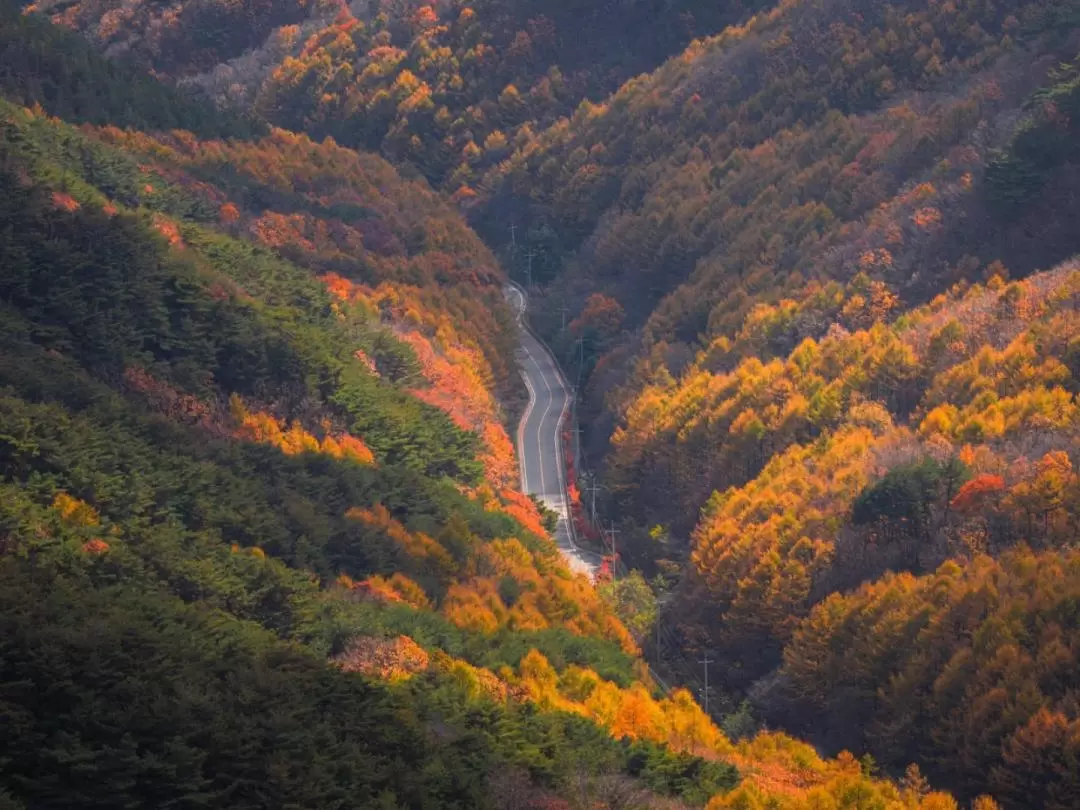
(262, 427)
(910, 446)
(350, 213)
(778, 269)
(773, 766)
(981, 638)
(392, 659)
(456, 376)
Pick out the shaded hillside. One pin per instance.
(764, 255)
(806, 119)
(51, 65)
(967, 668)
(447, 88)
(938, 442)
(815, 143)
(260, 539)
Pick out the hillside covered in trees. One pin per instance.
(817, 277)
(261, 541)
(448, 89)
(813, 272)
(942, 446)
(815, 266)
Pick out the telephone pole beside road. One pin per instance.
(593, 488)
(614, 554)
(705, 662)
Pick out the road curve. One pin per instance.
(538, 437)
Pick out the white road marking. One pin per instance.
(540, 424)
(575, 555)
(523, 467)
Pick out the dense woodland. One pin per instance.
(813, 271)
(262, 544)
(447, 89)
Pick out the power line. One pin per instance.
(593, 488)
(529, 256)
(614, 554)
(679, 660)
(706, 661)
(580, 344)
(678, 664)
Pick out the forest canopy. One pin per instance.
(810, 266)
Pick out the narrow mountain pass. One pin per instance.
(543, 472)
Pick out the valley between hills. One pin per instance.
(400, 401)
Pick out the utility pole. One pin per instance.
(513, 238)
(593, 488)
(705, 662)
(563, 310)
(576, 432)
(614, 555)
(580, 343)
(529, 256)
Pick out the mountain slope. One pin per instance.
(446, 88)
(815, 143)
(782, 261)
(252, 384)
(261, 545)
(938, 442)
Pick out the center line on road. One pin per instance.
(539, 361)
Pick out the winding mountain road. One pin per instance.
(543, 472)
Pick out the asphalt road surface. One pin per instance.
(543, 472)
